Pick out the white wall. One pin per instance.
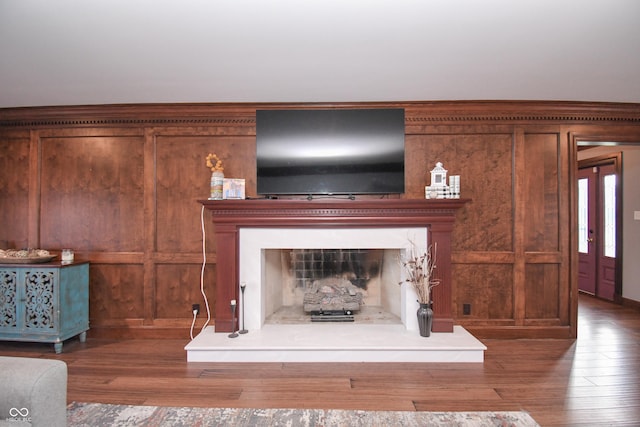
(631, 238)
(631, 203)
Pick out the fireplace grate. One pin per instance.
(332, 316)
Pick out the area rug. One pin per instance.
(98, 414)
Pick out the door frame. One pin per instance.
(613, 140)
(614, 159)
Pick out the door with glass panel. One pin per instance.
(597, 230)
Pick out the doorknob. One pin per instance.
(590, 239)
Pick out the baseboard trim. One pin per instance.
(140, 332)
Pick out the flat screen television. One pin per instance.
(330, 152)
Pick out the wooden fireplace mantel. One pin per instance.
(438, 215)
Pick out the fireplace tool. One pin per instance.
(233, 319)
(242, 286)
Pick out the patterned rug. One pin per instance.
(98, 414)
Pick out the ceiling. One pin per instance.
(78, 52)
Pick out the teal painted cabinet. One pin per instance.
(44, 302)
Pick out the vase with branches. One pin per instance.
(419, 268)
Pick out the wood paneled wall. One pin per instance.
(119, 184)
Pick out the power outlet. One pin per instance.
(466, 309)
(196, 308)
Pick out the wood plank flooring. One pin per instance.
(594, 380)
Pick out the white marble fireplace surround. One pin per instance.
(328, 342)
(253, 242)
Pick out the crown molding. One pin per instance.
(243, 114)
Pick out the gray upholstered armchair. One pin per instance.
(33, 392)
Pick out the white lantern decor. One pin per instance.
(438, 189)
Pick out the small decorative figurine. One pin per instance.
(439, 188)
(439, 176)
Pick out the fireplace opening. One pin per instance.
(336, 285)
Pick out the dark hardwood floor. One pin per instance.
(594, 380)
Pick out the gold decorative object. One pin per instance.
(214, 163)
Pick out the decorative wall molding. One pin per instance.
(232, 114)
(524, 118)
(126, 122)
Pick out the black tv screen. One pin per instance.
(330, 152)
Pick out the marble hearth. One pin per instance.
(333, 342)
